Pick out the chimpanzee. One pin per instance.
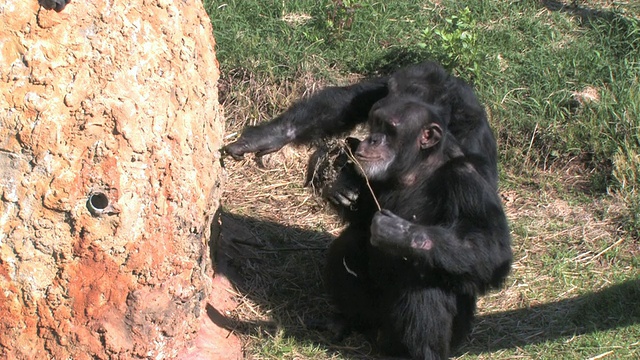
(57, 5)
(337, 110)
(408, 275)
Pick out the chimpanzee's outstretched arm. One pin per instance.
(330, 112)
(464, 250)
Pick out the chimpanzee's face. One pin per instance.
(376, 155)
(398, 130)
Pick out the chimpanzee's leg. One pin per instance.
(348, 281)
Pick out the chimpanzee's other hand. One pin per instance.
(254, 140)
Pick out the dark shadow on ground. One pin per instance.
(279, 268)
(597, 311)
(620, 30)
(584, 13)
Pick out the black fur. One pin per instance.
(337, 110)
(407, 276)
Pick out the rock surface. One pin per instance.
(109, 177)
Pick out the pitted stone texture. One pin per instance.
(117, 98)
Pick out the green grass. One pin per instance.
(562, 89)
(529, 64)
(265, 42)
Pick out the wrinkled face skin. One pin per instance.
(375, 156)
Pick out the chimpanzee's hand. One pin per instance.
(388, 228)
(391, 231)
(254, 140)
(242, 146)
(344, 191)
(57, 5)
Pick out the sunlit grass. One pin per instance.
(562, 88)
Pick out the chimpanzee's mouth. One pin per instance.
(367, 158)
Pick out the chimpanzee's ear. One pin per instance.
(430, 136)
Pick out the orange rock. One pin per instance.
(109, 179)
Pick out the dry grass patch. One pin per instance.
(570, 256)
(564, 252)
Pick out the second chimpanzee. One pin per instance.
(408, 275)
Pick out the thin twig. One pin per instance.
(605, 250)
(366, 179)
(601, 355)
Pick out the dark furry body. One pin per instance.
(409, 275)
(421, 303)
